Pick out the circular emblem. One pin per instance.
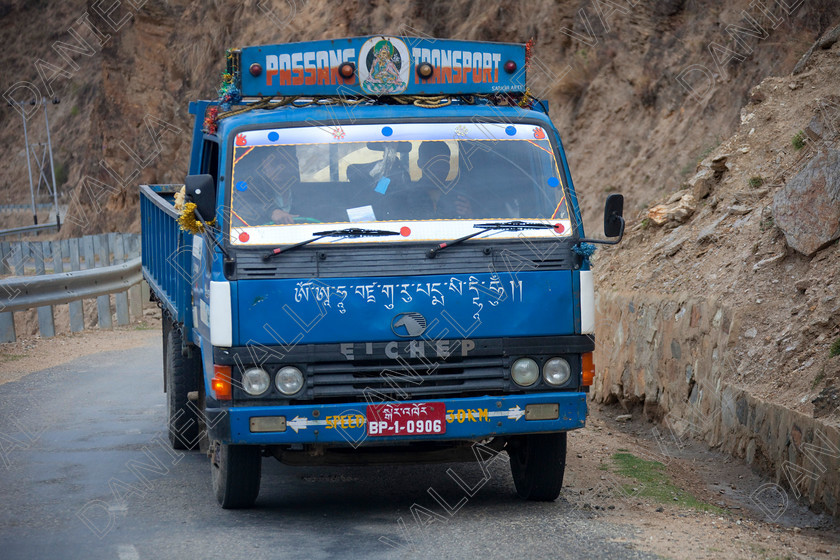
(384, 66)
(409, 324)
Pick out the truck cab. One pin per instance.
(384, 261)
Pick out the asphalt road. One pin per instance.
(86, 472)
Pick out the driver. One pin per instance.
(434, 160)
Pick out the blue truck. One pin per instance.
(379, 257)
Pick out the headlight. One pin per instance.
(525, 372)
(289, 380)
(255, 381)
(556, 371)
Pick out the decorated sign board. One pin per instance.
(382, 65)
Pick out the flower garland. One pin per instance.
(529, 46)
(211, 120)
(229, 94)
(189, 223)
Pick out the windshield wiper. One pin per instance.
(349, 232)
(514, 225)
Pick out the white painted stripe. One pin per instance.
(127, 552)
(221, 326)
(587, 303)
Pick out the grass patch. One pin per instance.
(756, 182)
(655, 483)
(798, 140)
(11, 357)
(646, 223)
(835, 348)
(144, 326)
(766, 223)
(818, 379)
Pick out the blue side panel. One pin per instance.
(166, 255)
(383, 66)
(332, 310)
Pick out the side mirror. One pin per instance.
(613, 221)
(613, 215)
(201, 189)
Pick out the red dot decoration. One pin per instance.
(559, 228)
(405, 231)
(244, 237)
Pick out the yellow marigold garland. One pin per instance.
(188, 222)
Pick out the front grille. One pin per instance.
(353, 381)
(366, 261)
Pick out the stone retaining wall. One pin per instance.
(675, 358)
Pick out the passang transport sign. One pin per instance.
(384, 65)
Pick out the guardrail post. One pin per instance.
(20, 251)
(77, 310)
(103, 303)
(5, 256)
(46, 322)
(7, 327)
(16, 267)
(57, 256)
(135, 297)
(120, 299)
(7, 320)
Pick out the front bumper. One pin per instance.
(346, 423)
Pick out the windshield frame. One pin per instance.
(557, 154)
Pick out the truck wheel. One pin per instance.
(182, 375)
(236, 471)
(538, 463)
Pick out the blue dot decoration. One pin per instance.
(511, 130)
(387, 131)
(241, 186)
(273, 136)
(553, 182)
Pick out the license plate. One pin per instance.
(406, 419)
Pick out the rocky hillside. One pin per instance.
(720, 311)
(611, 73)
(755, 228)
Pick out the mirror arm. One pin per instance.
(605, 241)
(208, 239)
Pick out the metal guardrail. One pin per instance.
(53, 289)
(68, 271)
(16, 207)
(29, 229)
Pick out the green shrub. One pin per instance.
(60, 173)
(756, 181)
(835, 348)
(798, 140)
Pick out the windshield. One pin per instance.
(425, 180)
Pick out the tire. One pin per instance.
(538, 463)
(181, 375)
(236, 471)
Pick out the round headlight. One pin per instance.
(289, 380)
(556, 371)
(525, 372)
(255, 381)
